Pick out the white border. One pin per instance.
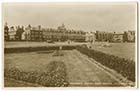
(68, 88)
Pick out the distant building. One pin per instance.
(27, 33)
(78, 36)
(19, 32)
(129, 36)
(32, 33)
(104, 36)
(36, 34)
(48, 34)
(23, 36)
(45, 34)
(118, 37)
(12, 33)
(62, 34)
(90, 37)
(61, 28)
(59, 34)
(6, 32)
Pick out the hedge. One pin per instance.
(123, 66)
(55, 76)
(32, 49)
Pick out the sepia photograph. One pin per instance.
(69, 44)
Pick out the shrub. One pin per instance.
(40, 48)
(123, 66)
(55, 76)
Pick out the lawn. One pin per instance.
(37, 44)
(123, 50)
(79, 69)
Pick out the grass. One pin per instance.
(79, 70)
(123, 50)
(121, 65)
(37, 44)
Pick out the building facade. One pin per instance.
(19, 31)
(90, 37)
(118, 37)
(62, 34)
(47, 34)
(6, 32)
(129, 36)
(27, 33)
(12, 33)
(104, 36)
(36, 34)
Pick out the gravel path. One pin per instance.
(82, 72)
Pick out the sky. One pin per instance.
(116, 17)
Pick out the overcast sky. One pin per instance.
(81, 16)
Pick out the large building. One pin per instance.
(76, 35)
(27, 33)
(19, 31)
(104, 36)
(63, 34)
(47, 34)
(118, 37)
(33, 33)
(90, 37)
(129, 36)
(12, 33)
(36, 34)
(6, 32)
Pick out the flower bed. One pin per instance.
(121, 65)
(55, 76)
